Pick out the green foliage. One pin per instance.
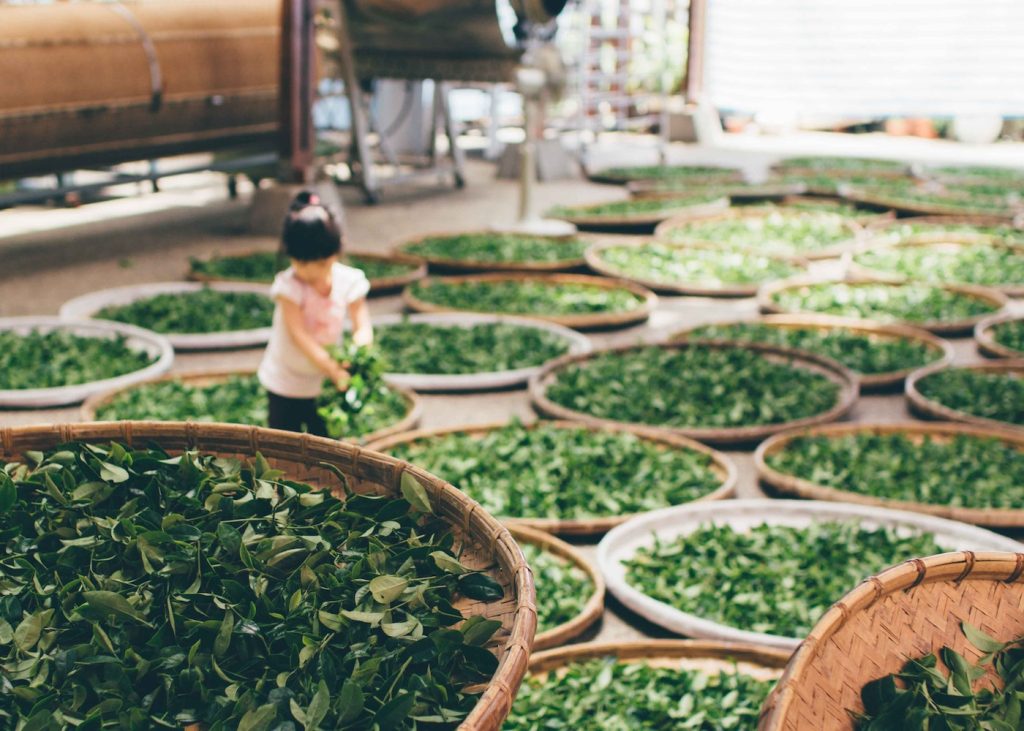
(564, 474)
(419, 347)
(993, 174)
(911, 302)
(984, 264)
(634, 206)
(368, 404)
(526, 297)
(562, 587)
(627, 174)
(201, 311)
(846, 164)
(693, 386)
(826, 181)
(607, 695)
(776, 232)
(1010, 334)
(263, 265)
(499, 248)
(706, 267)
(377, 268)
(59, 358)
(998, 396)
(774, 579)
(963, 200)
(908, 230)
(148, 591)
(865, 354)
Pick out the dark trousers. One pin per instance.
(294, 414)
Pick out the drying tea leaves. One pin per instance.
(526, 297)
(673, 265)
(375, 268)
(912, 302)
(57, 358)
(866, 354)
(564, 473)
(928, 695)
(998, 396)
(772, 579)
(420, 347)
(775, 232)
(200, 311)
(630, 173)
(950, 201)
(262, 266)
(912, 229)
(368, 404)
(829, 182)
(563, 588)
(608, 695)
(986, 264)
(633, 206)
(692, 387)
(1010, 334)
(841, 164)
(499, 248)
(148, 591)
(981, 172)
(963, 471)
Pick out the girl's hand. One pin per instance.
(341, 378)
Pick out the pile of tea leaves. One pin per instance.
(200, 311)
(634, 207)
(563, 588)
(785, 233)
(56, 358)
(526, 297)
(1010, 334)
(679, 265)
(985, 264)
(261, 266)
(998, 396)
(498, 248)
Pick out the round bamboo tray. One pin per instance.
(96, 402)
(485, 544)
(964, 237)
(843, 377)
(727, 175)
(905, 612)
(999, 518)
(984, 336)
(663, 232)
(594, 607)
(898, 203)
(644, 221)
(930, 409)
(746, 192)
(623, 542)
(864, 217)
(868, 382)
(136, 338)
(599, 265)
(723, 467)
(578, 322)
(87, 305)
(766, 301)
(444, 264)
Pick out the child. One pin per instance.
(312, 298)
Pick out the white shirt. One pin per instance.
(285, 370)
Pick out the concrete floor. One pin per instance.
(41, 270)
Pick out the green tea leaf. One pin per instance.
(414, 492)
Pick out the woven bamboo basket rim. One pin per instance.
(592, 610)
(868, 382)
(767, 305)
(582, 321)
(665, 228)
(930, 409)
(202, 377)
(721, 465)
(923, 600)
(898, 203)
(378, 286)
(737, 191)
(488, 544)
(984, 336)
(843, 377)
(474, 265)
(601, 176)
(645, 219)
(915, 430)
(599, 265)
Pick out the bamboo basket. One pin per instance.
(843, 377)
(736, 192)
(925, 208)
(930, 409)
(599, 265)
(578, 322)
(984, 336)
(723, 467)
(94, 403)
(485, 543)
(907, 611)
(790, 485)
(865, 217)
(444, 264)
(767, 305)
(594, 607)
(664, 229)
(641, 222)
(879, 229)
(727, 175)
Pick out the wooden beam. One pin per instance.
(297, 85)
(693, 80)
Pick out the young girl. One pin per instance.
(313, 297)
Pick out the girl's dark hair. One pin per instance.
(311, 230)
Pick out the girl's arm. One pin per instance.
(313, 350)
(362, 330)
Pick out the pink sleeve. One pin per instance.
(287, 286)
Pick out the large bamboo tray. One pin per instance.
(87, 305)
(868, 382)
(663, 232)
(1000, 518)
(736, 192)
(905, 612)
(623, 542)
(645, 221)
(767, 304)
(727, 175)
(594, 607)
(843, 377)
(136, 338)
(445, 264)
(599, 265)
(865, 216)
(723, 467)
(578, 322)
(880, 229)
(984, 336)
(485, 544)
(94, 403)
(930, 409)
(906, 205)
